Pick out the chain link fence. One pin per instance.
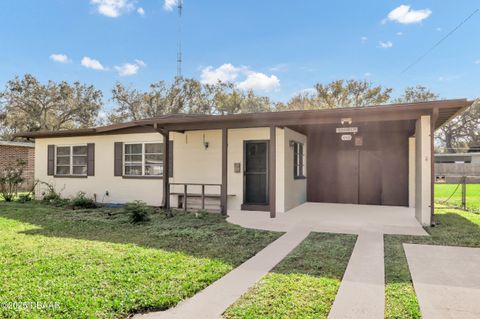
(462, 192)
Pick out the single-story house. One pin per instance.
(376, 155)
(11, 152)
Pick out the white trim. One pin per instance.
(70, 165)
(124, 161)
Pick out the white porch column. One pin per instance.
(411, 172)
(423, 172)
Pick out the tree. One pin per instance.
(187, 96)
(27, 105)
(460, 133)
(417, 93)
(340, 93)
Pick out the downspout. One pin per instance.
(434, 118)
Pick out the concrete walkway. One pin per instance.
(361, 294)
(446, 280)
(212, 302)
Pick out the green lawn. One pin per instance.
(303, 285)
(96, 264)
(454, 228)
(443, 192)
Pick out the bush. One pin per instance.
(23, 198)
(138, 211)
(82, 201)
(11, 177)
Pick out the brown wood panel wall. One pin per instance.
(375, 173)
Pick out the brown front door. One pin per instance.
(255, 173)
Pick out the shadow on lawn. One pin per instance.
(207, 236)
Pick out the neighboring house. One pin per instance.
(11, 152)
(377, 155)
(452, 167)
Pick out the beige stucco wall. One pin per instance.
(121, 190)
(423, 180)
(411, 171)
(193, 163)
(295, 189)
(236, 137)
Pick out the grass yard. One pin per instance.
(96, 264)
(454, 228)
(443, 192)
(303, 285)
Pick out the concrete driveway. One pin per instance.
(335, 218)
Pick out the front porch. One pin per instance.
(334, 218)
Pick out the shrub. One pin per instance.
(11, 177)
(23, 198)
(138, 211)
(82, 201)
(51, 195)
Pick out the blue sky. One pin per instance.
(278, 48)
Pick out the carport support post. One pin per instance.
(224, 190)
(272, 171)
(166, 169)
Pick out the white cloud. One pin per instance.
(368, 74)
(259, 81)
(243, 77)
(364, 39)
(128, 69)
(439, 29)
(224, 73)
(385, 45)
(400, 33)
(141, 11)
(140, 63)
(92, 64)
(61, 58)
(477, 61)
(405, 15)
(113, 8)
(170, 4)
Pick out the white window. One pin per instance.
(143, 159)
(298, 161)
(71, 160)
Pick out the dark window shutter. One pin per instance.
(170, 159)
(118, 159)
(51, 160)
(90, 159)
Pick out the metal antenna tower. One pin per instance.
(179, 44)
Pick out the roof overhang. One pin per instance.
(443, 110)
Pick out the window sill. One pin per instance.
(141, 177)
(299, 177)
(70, 176)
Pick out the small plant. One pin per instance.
(11, 177)
(82, 201)
(23, 198)
(51, 195)
(138, 211)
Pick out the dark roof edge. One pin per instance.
(459, 104)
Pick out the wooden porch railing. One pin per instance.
(202, 193)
